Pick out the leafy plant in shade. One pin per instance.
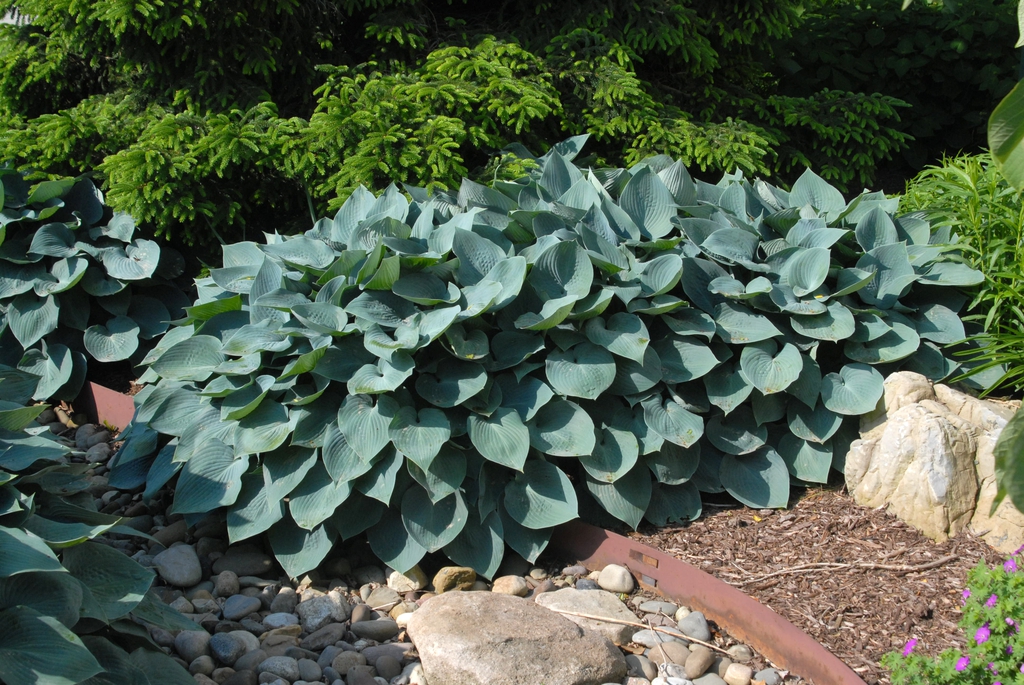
(71, 610)
(461, 371)
(75, 283)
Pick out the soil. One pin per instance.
(858, 580)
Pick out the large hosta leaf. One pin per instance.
(192, 359)
(433, 524)
(806, 270)
(627, 498)
(112, 584)
(480, 545)
(299, 550)
(672, 421)
(211, 478)
(24, 552)
(648, 203)
(673, 464)
(738, 325)
(419, 435)
(759, 480)
(37, 649)
(614, 453)
(673, 503)
(623, 334)
(501, 437)
(452, 384)
(541, 496)
(562, 429)
(684, 358)
(727, 388)
(855, 390)
(585, 370)
(808, 461)
(392, 543)
(770, 372)
(31, 317)
(816, 425)
(366, 425)
(835, 324)
(114, 342)
(737, 433)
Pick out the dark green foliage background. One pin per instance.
(217, 120)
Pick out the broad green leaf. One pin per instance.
(672, 421)
(112, 584)
(501, 437)
(691, 322)
(806, 270)
(192, 359)
(952, 273)
(136, 262)
(854, 391)
(298, 550)
(255, 510)
(727, 388)
(31, 317)
(627, 498)
(23, 552)
(541, 496)
(899, 342)
(384, 376)
(562, 270)
(648, 203)
(419, 435)
(684, 358)
(562, 429)
(477, 255)
(893, 274)
(114, 342)
(444, 474)
(469, 345)
(835, 324)
(527, 542)
(452, 384)
(939, 323)
(737, 433)
(1005, 136)
(383, 308)
(392, 543)
(263, 430)
(759, 480)
(210, 479)
(673, 504)
(811, 189)
(738, 325)
(815, 425)
(433, 524)
(379, 481)
(615, 452)
(672, 464)
(632, 378)
(876, 229)
(808, 461)
(314, 500)
(322, 317)
(426, 289)
(365, 424)
(37, 649)
(808, 384)
(53, 240)
(585, 370)
(770, 372)
(480, 545)
(526, 396)
(1009, 466)
(623, 334)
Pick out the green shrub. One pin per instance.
(75, 283)
(70, 609)
(463, 371)
(970, 194)
(951, 62)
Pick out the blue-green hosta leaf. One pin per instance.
(679, 183)
(210, 479)
(672, 464)
(477, 255)
(811, 189)
(433, 524)
(392, 543)
(281, 299)
(527, 542)
(322, 317)
(65, 274)
(690, 321)
(738, 433)
(806, 270)
(480, 545)
(627, 498)
(808, 384)
(341, 460)
(876, 229)
(433, 324)
(15, 417)
(661, 274)
(851, 280)
(314, 500)
(426, 289)
(236, 279)
(732, 245)
(501, 437)
(298, 550)
(52, 594)
(20, 384)
(478, 298)
(452, 384)
(37, 649)
(952, 273)
(384, 376)
(898, 343)
(632, 378)
(835, 324)
(552, 313)
(672, 421)
(785, 299)
(365, 425)
(759, 480)
(302, 251)
(562, 270)
(585, 370)
(769, 408)
(114, 342)
(931, 363)
(726, 387)
(151, 316)
(939, 323)
(379, 481)
(562, 429)
(444, 474)
(855, 390)
(893, 274)
(384, 308)
(53, 367)
(869, 327)
(623, 334)
(673, 503)
(420, 435)
(243, 401)
(192, 359)
(112, 584)
(469, 345)
(541, 496)
(54, 240)
(136, 262)
(20, 278)
(526, 395)
(808, 461)
(253, 338)
(255, 510)
(738, 325)
(614, 453)
(263, 430)
(25, 552)
(31, 317)
(770, 372)
(684, 358)
(648, 203)
(510, 348)
(97, 283)
(815, 425)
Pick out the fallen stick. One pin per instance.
(835, 566)
(636, 624)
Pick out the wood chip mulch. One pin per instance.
(858, 580)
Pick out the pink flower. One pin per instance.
(983, 634)
(966, 594)
(991, 602)
(1009, 565)
(1009, 649)
(963, 661)
(909, 647)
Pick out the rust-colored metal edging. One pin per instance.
(746, 619)
(106, 406)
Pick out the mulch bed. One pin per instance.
(858, 580)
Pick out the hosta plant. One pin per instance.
(70, 609)
(460, 371)
(76, 283)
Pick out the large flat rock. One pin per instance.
(486, 638)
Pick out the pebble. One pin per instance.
(316, 612)
(190, 644)
(227, 648)
(369, 574)
(669, 652)
(741, 652)
(244, 562)
(640, 666)
(98, 454)
(454, 578)
(696, 626)
(709, 679)
(179, 566)
(411, 581)
(347, 660)
(226, 584)
(168, 535)
(738, 674)
(183, 606)
(360, 675)
(379, 630)
(511, 585)
(309, 670)
(587, 584)
(699, 661)
(221, 674)
(388, 667)
(615, 578)
(576, 570)
(280, 666)
(285, 601)
(324, 637)
(240, 606)
(279, 620)
(768, 676)
(242, 678)
(251, 660)
(361, 612)
(651, 638)
(202, 664)
(656, 607)
(384, 597)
